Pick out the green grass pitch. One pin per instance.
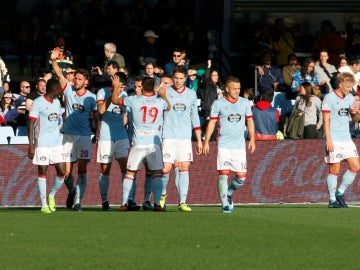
(252, 237)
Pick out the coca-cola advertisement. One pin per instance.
(283, 171)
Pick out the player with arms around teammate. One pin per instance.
(113, 142)
(80, 103)
(177, 146)
(46, 149)
(147, 115)
(233, 112)
(338, 108)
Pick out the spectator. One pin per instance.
(148, 51)
(259, 42)
(305, 74)
(40, 90)
(310, 104)
(46, 75)
(178, 59)
(354, 69)
(70, 75)
(269, 76)
(353, 46)
(344, 61)
(194, 78)
(324, 71)
(289, 70)
(266, 118)
(112, 55)
(8, 112)
(328, 39)
(65, 59)
(4, 75)
(149, 71)
(20, 103)
(213, 89)
(355, 125)
(283, 43)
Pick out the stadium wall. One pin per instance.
(284, 171)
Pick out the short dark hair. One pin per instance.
(267, 95)
(148, 84)
(180, 69)
(114, 64)
(139, 78)
(83, 72)
(122, 77)
(52, 84)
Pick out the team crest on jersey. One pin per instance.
(106, 157)
(53, 117)
(179, 107)
(78, 107)
(343, 112)
(234, 117)
(118, 110)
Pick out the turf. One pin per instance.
(252, 237)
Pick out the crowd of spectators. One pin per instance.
(152, 41)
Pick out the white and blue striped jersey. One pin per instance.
(339, 109)
(183, 115)
(111, 125)
(147, 118)
(231, 117)
(47, 115)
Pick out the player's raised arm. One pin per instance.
(53, 56)
(116, 91)
(161, 91)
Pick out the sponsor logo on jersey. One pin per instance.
(234, 117)
(78, 107)
(179, 107)
(118, 110)
(53, 117)
(344, 112)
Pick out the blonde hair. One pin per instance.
(345, 77)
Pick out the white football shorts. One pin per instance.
(174, 149)
(77, 147)
(342, 151)
(107, 150)
(49, 155)
(150, 152)
(232, 159)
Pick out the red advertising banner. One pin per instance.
(284, 171)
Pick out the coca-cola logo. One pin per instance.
(289, 173)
